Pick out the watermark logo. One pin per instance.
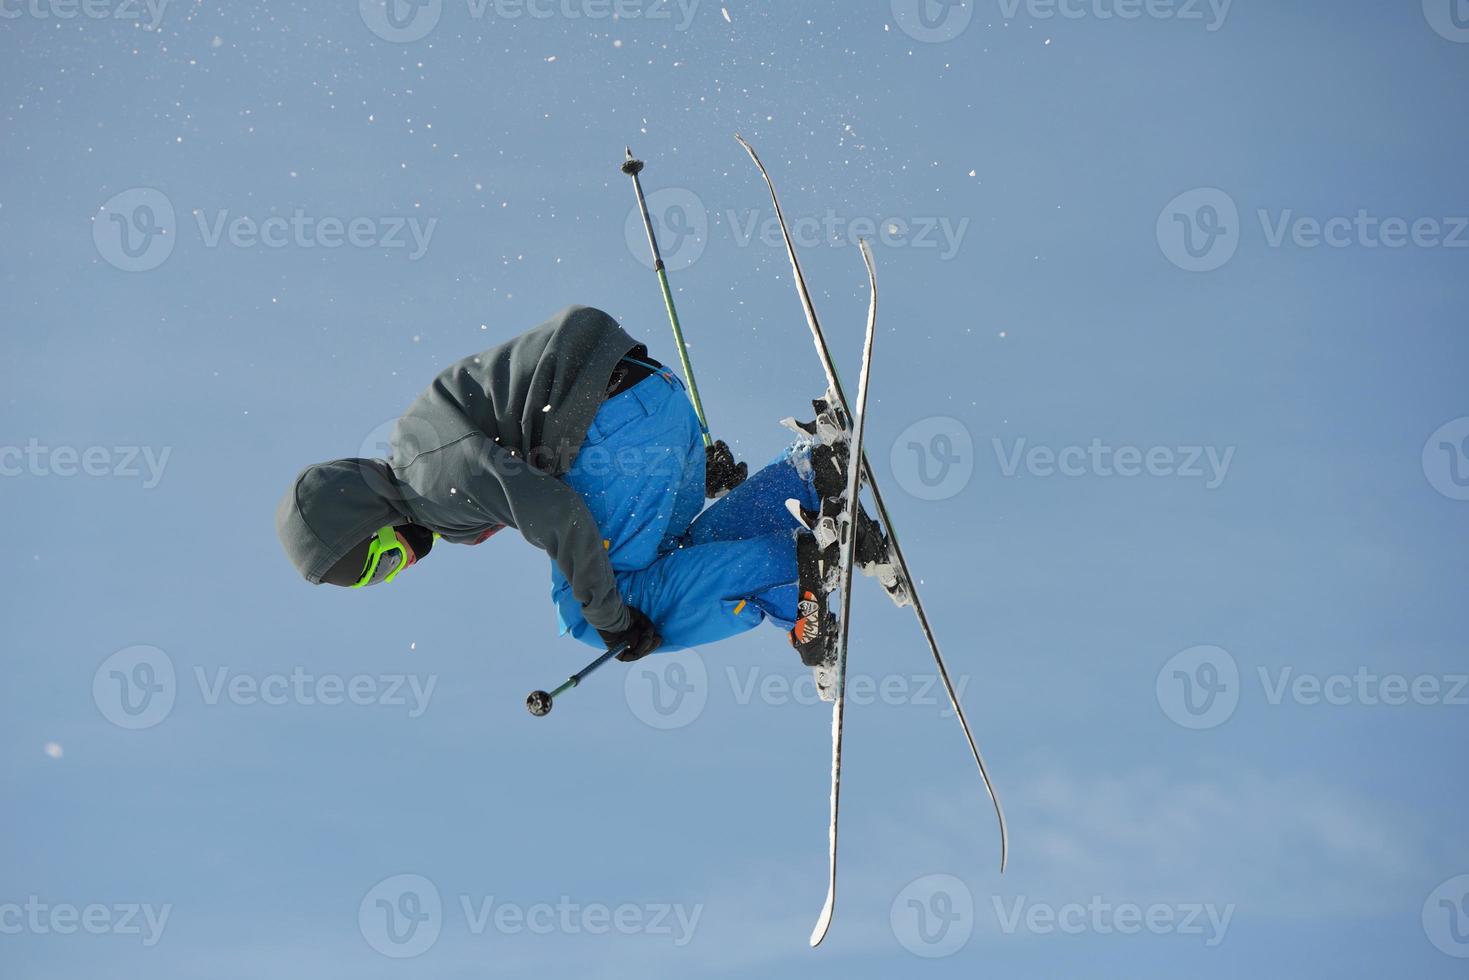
(1202, 686)
(401, 21)
(411, 436)
(136, 229)
(1211, 13)
(1363, 687)
(667, 690)
(681, 223)
(135, 688)
(407, 21)
(1446, 459)
(1101, 917)
(571, 918)
(940, 234)
(893, 690)
(1209, 464)
(1199, 230)
(1361, 230)
(1450, 18)
(401, 916)
(933, 459)
(933, 916)
(60, 462)
(304, 231)
(378, 444)
(1199, 687)
(37, 918)
(118, 10)
(410, 691)
(1446, 917)
(933, 21)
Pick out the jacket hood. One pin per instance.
(332, 507)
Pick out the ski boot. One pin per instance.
(874, 553)
(815, 633)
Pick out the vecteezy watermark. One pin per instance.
(920, 232)
(406, 21)
(60, 462)
(933, 916)
(1101, 917)
(138, 229)
(1210, 13)
(1450, 18)
(67, 10)
(137, 688)
(777, 689)
(403, 917)
(1201, 230)
(1364, 687)
(672, 690)
(933, 459)
(37, 918)
(1201, 687)
(1446, 459)
(1446, 917)
(681, 223)
(302, 230)
(1207, 463)
(933, 21)
(135, 230)
(401, 21)
(667, 690)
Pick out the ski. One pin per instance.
(834, 383)
(848, 543)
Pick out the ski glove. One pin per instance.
(721, 473)
(641, 637)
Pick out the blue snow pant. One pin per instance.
(701, 577)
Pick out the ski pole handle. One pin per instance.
(539, 703)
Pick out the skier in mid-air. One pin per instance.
(573, 435)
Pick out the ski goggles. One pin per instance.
(386, 557)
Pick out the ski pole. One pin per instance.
(539, 703)
(632, 168)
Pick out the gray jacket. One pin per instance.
(482, 448)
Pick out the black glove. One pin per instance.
(721, 473)
(641, 637)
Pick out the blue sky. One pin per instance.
(1168, 402)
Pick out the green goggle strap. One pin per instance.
(386, 540)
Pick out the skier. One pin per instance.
(575, 436)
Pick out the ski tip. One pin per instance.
(823, 924)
